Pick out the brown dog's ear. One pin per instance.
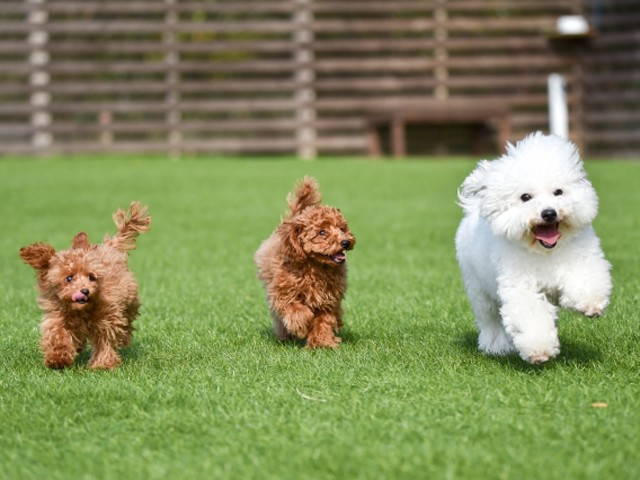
(80, 241)
(37, 255)
(290, 234)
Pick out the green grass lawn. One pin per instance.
(206, 391)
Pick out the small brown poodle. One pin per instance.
(303, 267)
(88, 293)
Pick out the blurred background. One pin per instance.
(317, 77)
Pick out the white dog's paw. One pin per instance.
(537, 350)
(495, 342)
(594, 309)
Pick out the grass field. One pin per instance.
(207, 392)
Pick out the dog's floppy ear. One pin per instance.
(80, 241)
(289, 232)
(474, 185)
(37, 255)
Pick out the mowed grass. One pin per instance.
(206, 391)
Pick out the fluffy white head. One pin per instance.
(537, 193)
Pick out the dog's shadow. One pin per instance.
(572, 353)
(127, 354)
(347, 336)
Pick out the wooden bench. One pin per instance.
(434, 112)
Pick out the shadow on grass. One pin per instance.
(128, 355)
(347, 336)
(572, 353)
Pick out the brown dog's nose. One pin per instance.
(85, 291)
(345, 243)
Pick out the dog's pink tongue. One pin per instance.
(547, 233)
(79, 297)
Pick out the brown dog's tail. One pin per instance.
(307, 193)
(129, 227)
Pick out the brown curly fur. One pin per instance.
(88, 293)
(303, 267)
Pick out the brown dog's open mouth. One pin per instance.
(339, 258)
(547, 235)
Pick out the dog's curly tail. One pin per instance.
(306, 193)
(129, 227)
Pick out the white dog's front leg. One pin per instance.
(588, 288)
(530, 320)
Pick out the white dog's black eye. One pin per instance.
(558, 192)
(69, 279)
(322, 233)
(525, 197)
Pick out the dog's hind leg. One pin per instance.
(493, 338)
(279, 328)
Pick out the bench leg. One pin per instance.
(504, 133)
(373, 142)
(398, 141)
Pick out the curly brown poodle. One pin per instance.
(88, 293)
(304, 271)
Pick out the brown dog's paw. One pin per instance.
(323, 341)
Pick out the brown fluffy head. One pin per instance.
(69, 278)
(77, 279)
(314, 231)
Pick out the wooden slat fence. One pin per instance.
(612, 80)
(298, 76)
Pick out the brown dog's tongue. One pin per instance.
(547, 233)
(79, 297)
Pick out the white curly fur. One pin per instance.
(514, 274)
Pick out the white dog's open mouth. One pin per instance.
(547, 235)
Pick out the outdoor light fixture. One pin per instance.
(572, 25)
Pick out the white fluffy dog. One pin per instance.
(526, 246)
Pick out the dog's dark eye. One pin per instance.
(69, 279)
(558, 192)
(92, 277)
(525, 197)
(322, 233)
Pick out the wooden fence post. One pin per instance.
(39, 78)
(441, 53)
(304, 78)
(172, 97)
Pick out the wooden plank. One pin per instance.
(534, 24)
(378, 45)
(98, 7)
(410, 64)
(356, 6)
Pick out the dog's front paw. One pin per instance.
(59, 358)
(537, 350)
(323, 341)
(595, 309)
(105, 360)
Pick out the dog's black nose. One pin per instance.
(85, 291)
(549, 215)
(345, 243)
